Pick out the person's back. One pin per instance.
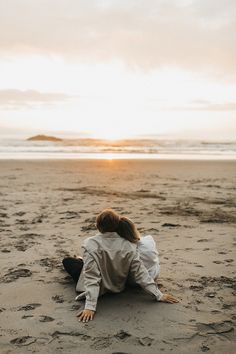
(113, 256)
(109, 261)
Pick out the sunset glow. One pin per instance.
(116, 80)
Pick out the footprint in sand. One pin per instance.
(26, 316)
(76, 307)
(105, 342)
(101, 343)
(58, 299)
(20, 213)
(69, 215)
(28, 307)
(170, 225)
(146, 341)
(88, 227)
(44, 318)
(24, 228)
(122, 335)
(22, 341)
(196, 287)
(15, 274)
(215, 327)
(204, 348)
(21, 222)
(38, 219)
(23, 246)
(49, 263)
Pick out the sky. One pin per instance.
(118, 69)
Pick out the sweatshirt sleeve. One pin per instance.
(92, 279)
(141, 276)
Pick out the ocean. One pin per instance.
(122, 149)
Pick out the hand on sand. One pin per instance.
(169, 298)
(85, 315)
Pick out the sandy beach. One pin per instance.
(47, 208)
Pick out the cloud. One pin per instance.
(216, 107)
(194, 35)
(11, 98)
(204, 105)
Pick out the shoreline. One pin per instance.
(84, 157)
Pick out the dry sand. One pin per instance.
(47, 209)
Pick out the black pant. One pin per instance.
(73, 266)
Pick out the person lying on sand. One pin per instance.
(110, 259)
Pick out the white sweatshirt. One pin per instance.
(149, 255)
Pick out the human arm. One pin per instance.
(92, 279)
(141, 276)
(149, 255)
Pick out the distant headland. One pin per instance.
(44, 138)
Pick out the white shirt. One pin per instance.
(149, 255)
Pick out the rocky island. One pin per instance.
(44, 138)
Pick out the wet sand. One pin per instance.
(47, 208)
